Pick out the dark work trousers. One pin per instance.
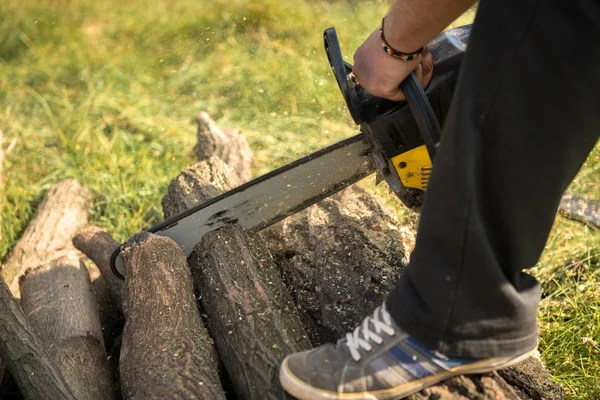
(525, 115)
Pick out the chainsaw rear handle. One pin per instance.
(416, 98)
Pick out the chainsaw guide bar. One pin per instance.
(271, 197)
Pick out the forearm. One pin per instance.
(410, 24)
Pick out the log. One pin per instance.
(98, 245)
(109, 312)
(528, 380)
(580, 209)
(5, 381)
(29, 364)
(3, 375)
(339, 259)
(227, 144)
(166, 351)
(108, 290)
(10, 390)
(251, 316)
(61, 214)
(58, 301)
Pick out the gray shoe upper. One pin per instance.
(384, 365)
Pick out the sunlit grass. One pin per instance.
(106, 92)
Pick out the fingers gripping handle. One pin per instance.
(415, 95)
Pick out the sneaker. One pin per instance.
(376, 361)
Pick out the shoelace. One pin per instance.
(354, 341)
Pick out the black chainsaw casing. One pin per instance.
(390, 125)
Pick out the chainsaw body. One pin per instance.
(398, 140)
(398, 146)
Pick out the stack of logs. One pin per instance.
(215, 325)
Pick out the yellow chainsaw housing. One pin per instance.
(413, 167)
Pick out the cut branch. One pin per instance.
(229, 145)
(58, 301)
(108, 290)
(98, 246)
(60, 215)
(166, 350)
(31, 367)
(581, 209)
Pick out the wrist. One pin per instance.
(397, 39)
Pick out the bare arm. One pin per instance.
(409, 25)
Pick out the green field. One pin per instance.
(106, 92)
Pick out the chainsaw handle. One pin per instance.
(424, 116)
(415, 95)
(342, 73)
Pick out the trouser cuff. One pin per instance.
(458, 347)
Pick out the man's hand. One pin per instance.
(381, 74)
(409, 24)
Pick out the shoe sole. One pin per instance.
(303, 391)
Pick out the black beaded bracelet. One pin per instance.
(393, 52)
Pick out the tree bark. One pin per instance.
(60, 215)
(251, 316)
(581, 209)
(3, 376)
(229, 145)
(339, 259)
(31, 367)
(108, 290)
(531, 380)
(109, 312)
(7, 385)
(166, 350)
(58, 301)
(528, 380)
(98, 246)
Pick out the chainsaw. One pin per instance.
(398, 140)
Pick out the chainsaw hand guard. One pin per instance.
(404, 135)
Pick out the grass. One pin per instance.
(106, 91)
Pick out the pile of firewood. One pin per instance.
(213, 326)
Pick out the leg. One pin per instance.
(524, 118)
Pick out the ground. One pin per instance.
(106, 92)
